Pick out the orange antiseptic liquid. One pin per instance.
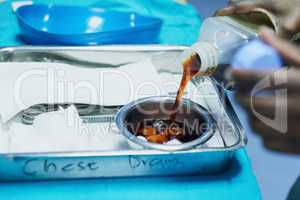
(163, 130)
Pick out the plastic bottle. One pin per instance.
(220, 37)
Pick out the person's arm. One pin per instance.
(283, 133)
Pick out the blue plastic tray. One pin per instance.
(75, 25)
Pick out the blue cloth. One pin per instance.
(237, 183)
(9, 28)
(175, 17)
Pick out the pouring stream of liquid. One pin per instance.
(191, 67)
(161, 130)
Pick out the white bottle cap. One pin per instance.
(207, 53)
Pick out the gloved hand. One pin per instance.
(275, 114)
(287, 12)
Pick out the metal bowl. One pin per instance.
(160, 107)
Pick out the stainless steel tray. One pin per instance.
(213, 157)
